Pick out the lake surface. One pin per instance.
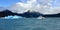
(30, 24)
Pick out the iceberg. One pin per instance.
(12, 17)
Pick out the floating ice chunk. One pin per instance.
(12, 17)
(41, 17)
(16, 17)
(9, 17)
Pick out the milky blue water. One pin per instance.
(30, 24)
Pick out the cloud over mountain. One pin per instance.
(42, 6)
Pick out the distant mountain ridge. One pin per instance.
(5, 13)
(27, 14)
(52, 15)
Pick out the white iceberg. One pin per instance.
(12, 17)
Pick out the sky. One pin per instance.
(6, 3)
(42, 6)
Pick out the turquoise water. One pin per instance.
(30, 24)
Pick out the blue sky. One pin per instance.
(56, 3)
(6, 3)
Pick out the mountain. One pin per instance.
(52, 15)
(5, 13)
(27, 14)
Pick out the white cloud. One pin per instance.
(42, 6)
(2, 9)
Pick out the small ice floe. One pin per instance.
(8, 17)
(16, 17)
(41, 17)
(12, 17)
